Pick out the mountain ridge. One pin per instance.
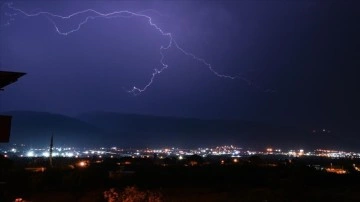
(135, 130)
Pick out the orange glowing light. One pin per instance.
(336, 170)
(83, 164)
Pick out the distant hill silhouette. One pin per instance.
(36, 128)
(147, 130)
(131, 130)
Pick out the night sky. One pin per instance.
(299, 60)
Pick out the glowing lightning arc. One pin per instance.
(123, 14)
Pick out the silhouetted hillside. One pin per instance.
(36, 128)
(130, 130)
(145, 130)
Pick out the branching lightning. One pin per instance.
(93, 14)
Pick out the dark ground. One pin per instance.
(250, 179)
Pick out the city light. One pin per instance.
(83, 164)
(46, 154)
(30, 154)
(336, 170)
(179, 153)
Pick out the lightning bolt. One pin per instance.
(93, 14)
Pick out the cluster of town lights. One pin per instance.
(162, 153)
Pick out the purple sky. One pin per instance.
(305, 51)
